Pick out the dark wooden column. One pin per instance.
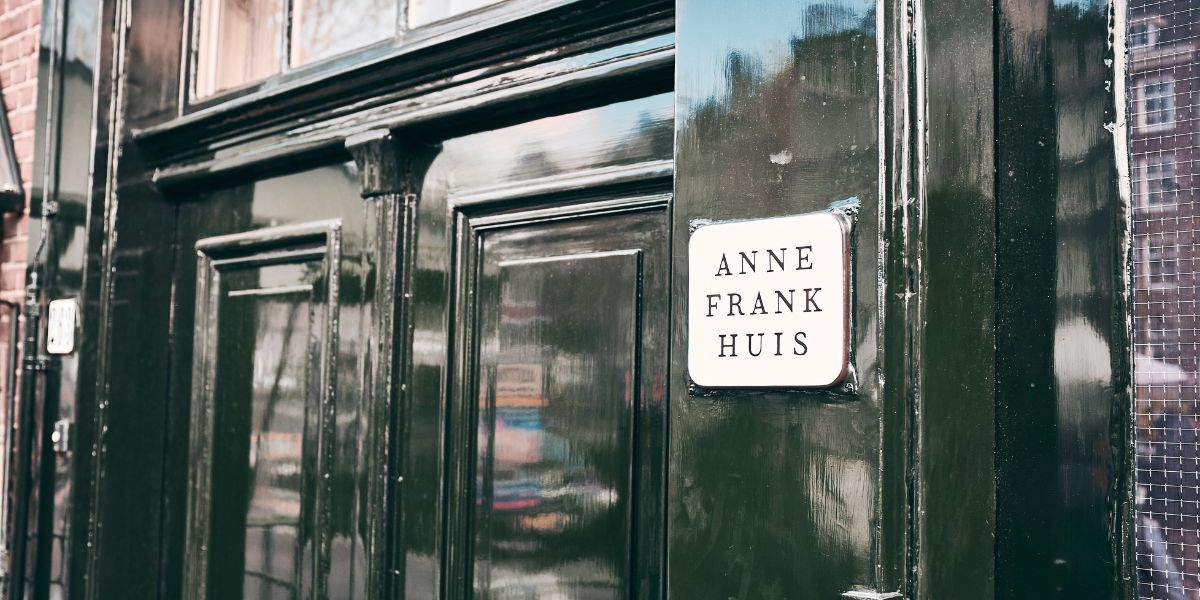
(391, 171)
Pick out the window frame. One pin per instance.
(403, 41)
(1166, 256)
(1143, 123)
(1143, 182)
(1151, 32)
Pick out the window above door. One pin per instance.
(241, 42)
(242, 46)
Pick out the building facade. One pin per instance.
(394, 299)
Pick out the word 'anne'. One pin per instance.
(774, 261)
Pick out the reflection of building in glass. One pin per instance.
(1164, 65)
(828, 19)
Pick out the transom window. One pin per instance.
(242, 42)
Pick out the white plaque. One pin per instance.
(768, 302)
(62, 318)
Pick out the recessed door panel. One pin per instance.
(277, 428)
(263, 401)
(262, 362)
(567, 381)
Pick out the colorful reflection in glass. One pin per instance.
(555, 460)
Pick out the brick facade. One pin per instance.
(1164, 118)
(19, 32)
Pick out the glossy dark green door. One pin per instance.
(383, 378)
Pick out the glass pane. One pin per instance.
(324, 28)
(238, 44)
(423, 12)
(1163, 69)
(618, 134)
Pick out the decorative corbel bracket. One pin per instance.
(389, 163)
(391, 172)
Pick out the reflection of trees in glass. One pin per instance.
(533, 161)
(785, 131)
(324, 28)
(275, 477)
(652, 139)
(423, 12)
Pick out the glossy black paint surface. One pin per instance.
(954, 406)
(562, 197)
(776, 494)
(570, 369)
(510, 211)
(1063, 371)
(621, 152)
(223, 353)
(68, 57)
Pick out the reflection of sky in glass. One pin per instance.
(614, 134)
(760, 40)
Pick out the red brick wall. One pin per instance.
(19, 20)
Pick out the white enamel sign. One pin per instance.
(768, 302)
(62, 317)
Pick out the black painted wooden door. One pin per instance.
(269, 276)
(566, 334)
(550, 239)
(526, 450)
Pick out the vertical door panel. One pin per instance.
(538, 388)
(568, 345)
(782, 493)
(280, 303)
(265, 363)
(262, 380)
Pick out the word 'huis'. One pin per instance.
(758, 342)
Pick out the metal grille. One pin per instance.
(1164, 70)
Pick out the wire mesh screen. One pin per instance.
(1163, 68)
